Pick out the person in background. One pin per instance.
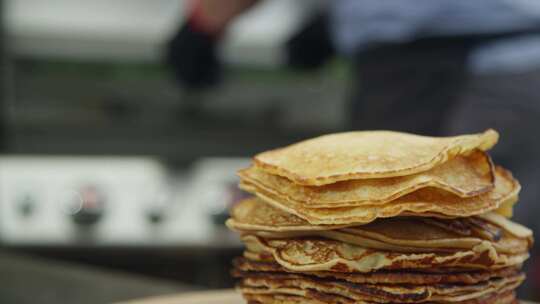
(192, 50)
(431, 67)
(410, 58)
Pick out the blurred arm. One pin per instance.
(192, 51)
(213, 16)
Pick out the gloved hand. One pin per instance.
(192, 55)
(311, 46)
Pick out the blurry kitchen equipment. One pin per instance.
(52, 201)
(115, 201)
(134, 30)
(88, 79)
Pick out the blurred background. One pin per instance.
(122, 123)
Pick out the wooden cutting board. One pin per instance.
(226, 296)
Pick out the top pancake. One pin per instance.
(464, 176)
(367, 154)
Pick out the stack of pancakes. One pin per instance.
(380, 217)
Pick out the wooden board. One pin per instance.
(226, 296)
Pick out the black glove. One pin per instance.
(193, 57)
(311, 46)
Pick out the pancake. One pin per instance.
(430, 235)
(403, 234)
(464, 176)
(263, 296)
(429, 200)
(381, 293)
(399, 235)
(512, 227)
(253, 214)
(380, 217)
(318, 254)
(506, 209)
(245, 268)
(367, 154)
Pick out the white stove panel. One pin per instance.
(112, 201)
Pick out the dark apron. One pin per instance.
(412, 86)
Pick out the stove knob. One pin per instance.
(86, 206)
(155, 215)
(26, 205)
(157, 207)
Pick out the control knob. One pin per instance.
(86, 206)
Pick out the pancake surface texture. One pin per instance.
(279, 283)
(321, 254)
(428, 200)
(367, 154)
(464, 176)
(404, 234)
(245, 268)
(296, 296)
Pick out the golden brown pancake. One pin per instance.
(380, 217)
(464, 176)
(253, 214)
(367, 154)
(318, 254)
(260, 297)
(403, 234)
(389, 293)
(245, 268)
(429, 200)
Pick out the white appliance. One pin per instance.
(112, 201)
